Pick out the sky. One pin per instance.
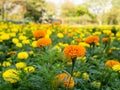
(59, 2)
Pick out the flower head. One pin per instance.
(6, 64)
(29, 69)
(116, 67)
(39, 34)
(11, 76)
(64, 79)
(105, 39)
(20, 65)
(111, 63)
(44, 42)
(22, 55)
(74, 51)
(92, 39)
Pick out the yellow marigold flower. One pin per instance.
(111, 63)
(22, 55)
(76, 74)
(21, 37)
(6, 64)
(64, 79)
(26, 42)
(85, 76)
(15, 40)
(60, 35)
(20, 65)
(96, 83)
(11, 76)
(29, 69)
(82, 59)
(39, 34)
(34, 44)
(84, 44)
(19, 45)
(5, 36)
(74, 51)
(92, 39)
(31, 52)
(44, 42)
(57, 47)
(116, 67)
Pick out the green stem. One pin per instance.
(71, 73)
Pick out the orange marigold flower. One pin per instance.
(111, 63)
(70, 34)
(57, 23)
(64, 79)
(110, 51)
(74, 51)
(92, 39)
(39, 34)
(105, 39)
(78, 40)
(11, 52)
(44, 42)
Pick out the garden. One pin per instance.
(57, 56)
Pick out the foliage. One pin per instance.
(18, 44)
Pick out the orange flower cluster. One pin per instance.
(111, 63)
(39, 34)
(44, 42)
(73, 51)
(64, 79)
(92, 39)
(105, 39)
(77, 40)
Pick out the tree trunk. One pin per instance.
(99, 20)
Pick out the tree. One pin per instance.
(50, 8)
(68, 9)
(34, 8)
(99, 7)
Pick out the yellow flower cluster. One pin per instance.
(22, 55)
(11, 75)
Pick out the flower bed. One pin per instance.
(45, 56)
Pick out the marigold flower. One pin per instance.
(20, 65)
(57, 23)
(105, 39)
(74, 51)
(11, 76)
(44, 42)
(39, 34)
(77, 40)
(64, 79)
(19, 45)
(111, 63)
(85, 76)
(22, 55)
(70, 34)
(11, 52)
(15, 40)
(6, 64)
(34, 44)
(60, 35)
(29, 69)
(92, 39)
(96, 83)
(116, 67)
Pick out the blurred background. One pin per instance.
(73, 12)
